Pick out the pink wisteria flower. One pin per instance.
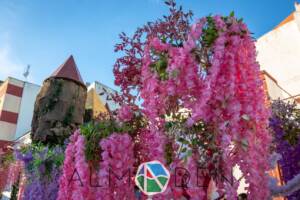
(222, 90)
(125, 113)
(117, 161)
(229, 97)
(67, 188)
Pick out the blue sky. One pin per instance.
(44, 33)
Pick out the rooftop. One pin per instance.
(68, 70)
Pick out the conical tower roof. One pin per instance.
(68, 70)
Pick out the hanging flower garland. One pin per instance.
(205, 86)
(82, 180)
(65, 186)
(203, 108)
(117, 161)
(233, 101)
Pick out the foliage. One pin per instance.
(54, 98)
(200, 138)
(41, 158)
(95, 131)
(7, 159)
(15, 190)
(289, 115)
(286, 129)
(172, 28)
(210, 32)
(69, 115)
(160, 67)
(42, 170)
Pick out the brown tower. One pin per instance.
(60, 105)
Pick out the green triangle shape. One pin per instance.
(152, 186)
(162, 180)
(141, 181)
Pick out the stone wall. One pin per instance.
(59, 110)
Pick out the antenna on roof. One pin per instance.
(26, 72)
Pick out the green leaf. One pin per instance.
(245, 144)
(189, 153)
(184, 149)
(174, 73)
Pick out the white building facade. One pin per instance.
(17, 100)
(278, 53)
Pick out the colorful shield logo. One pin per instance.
(152, 178)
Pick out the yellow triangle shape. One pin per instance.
(94, 102)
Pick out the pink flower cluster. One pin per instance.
(79, 181)
(67, 188)
(83, 188)
(152, 146)
(225, 92)
(15, 170)
(117, 161)
(125, 113)
(193, 190)
(228, 96)
(4, 177)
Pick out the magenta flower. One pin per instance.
(125, 113)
